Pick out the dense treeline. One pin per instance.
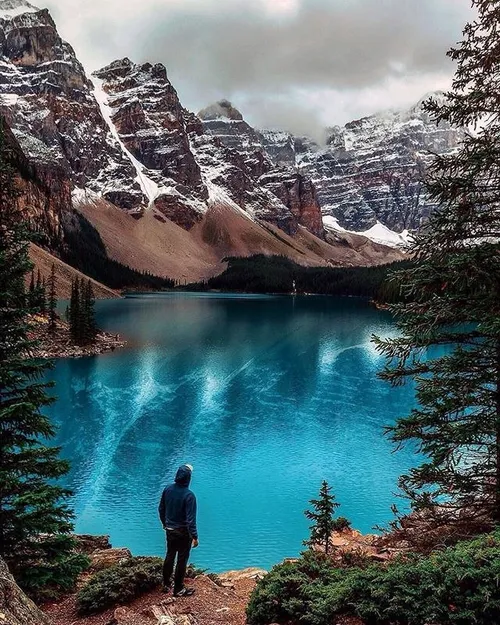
(277, 274)
(84, 250)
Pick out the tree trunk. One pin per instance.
(496, 511)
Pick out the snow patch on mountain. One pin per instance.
(150, 189)
(217, 196)
(12, 8)
(82, 196)
(384, 235)
(377, 233)
(8, 99)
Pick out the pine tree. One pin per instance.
(40, 294)
(32, 299)
(450, 321)
(35, 520)
(81, 313)
(52, 301)
(322, 517)
(89, 330)
(74, 311)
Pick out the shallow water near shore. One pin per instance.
(266, 396)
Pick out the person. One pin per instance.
(177, 511)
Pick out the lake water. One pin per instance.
(266, 397)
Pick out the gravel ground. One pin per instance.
(211, 604)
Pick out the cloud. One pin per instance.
(277, 59)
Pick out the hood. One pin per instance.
(183, 475)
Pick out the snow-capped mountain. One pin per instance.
(174, 193)
(226, 124)
(122, 133)
(368, 175)
(371, 169)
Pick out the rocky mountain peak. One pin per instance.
(47, 99)
(223, 109)
(12, 8)
(267, 159)
(372, 169)
(145, 115)
(124, 136)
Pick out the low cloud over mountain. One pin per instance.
(294, 64)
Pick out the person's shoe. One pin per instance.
(184, 592)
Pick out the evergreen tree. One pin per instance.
(89, 330)
(81, 313)
(32, 301)
(35, 520)
(74, 311)
(41, 299)
(450, 320)
(322, 516)
(52, 301)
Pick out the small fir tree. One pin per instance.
(74, 311)
(52, 300)
(89, 330)
(32, 303)
(35, 520)
(322, 516)
(449, 323)
(41, 296)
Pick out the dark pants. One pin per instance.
(178, 544)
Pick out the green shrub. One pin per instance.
(341, 523)
(119, 584)
(194, 571)
(458, 586)
(47, 580)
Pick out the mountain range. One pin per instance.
(113, 168)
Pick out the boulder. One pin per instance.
(124, 616)
(250, 573)
(106, 558)
(87, 543)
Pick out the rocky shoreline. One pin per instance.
(219, 599)
(60, 344)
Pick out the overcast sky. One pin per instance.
(293, 64)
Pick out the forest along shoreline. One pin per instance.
(74, 336)
(58, 343)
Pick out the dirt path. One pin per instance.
(210, 605)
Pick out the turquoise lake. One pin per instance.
(266, 396)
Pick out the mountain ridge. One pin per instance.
(369, 171)
(122, 138)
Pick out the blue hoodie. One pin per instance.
(177, 507)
